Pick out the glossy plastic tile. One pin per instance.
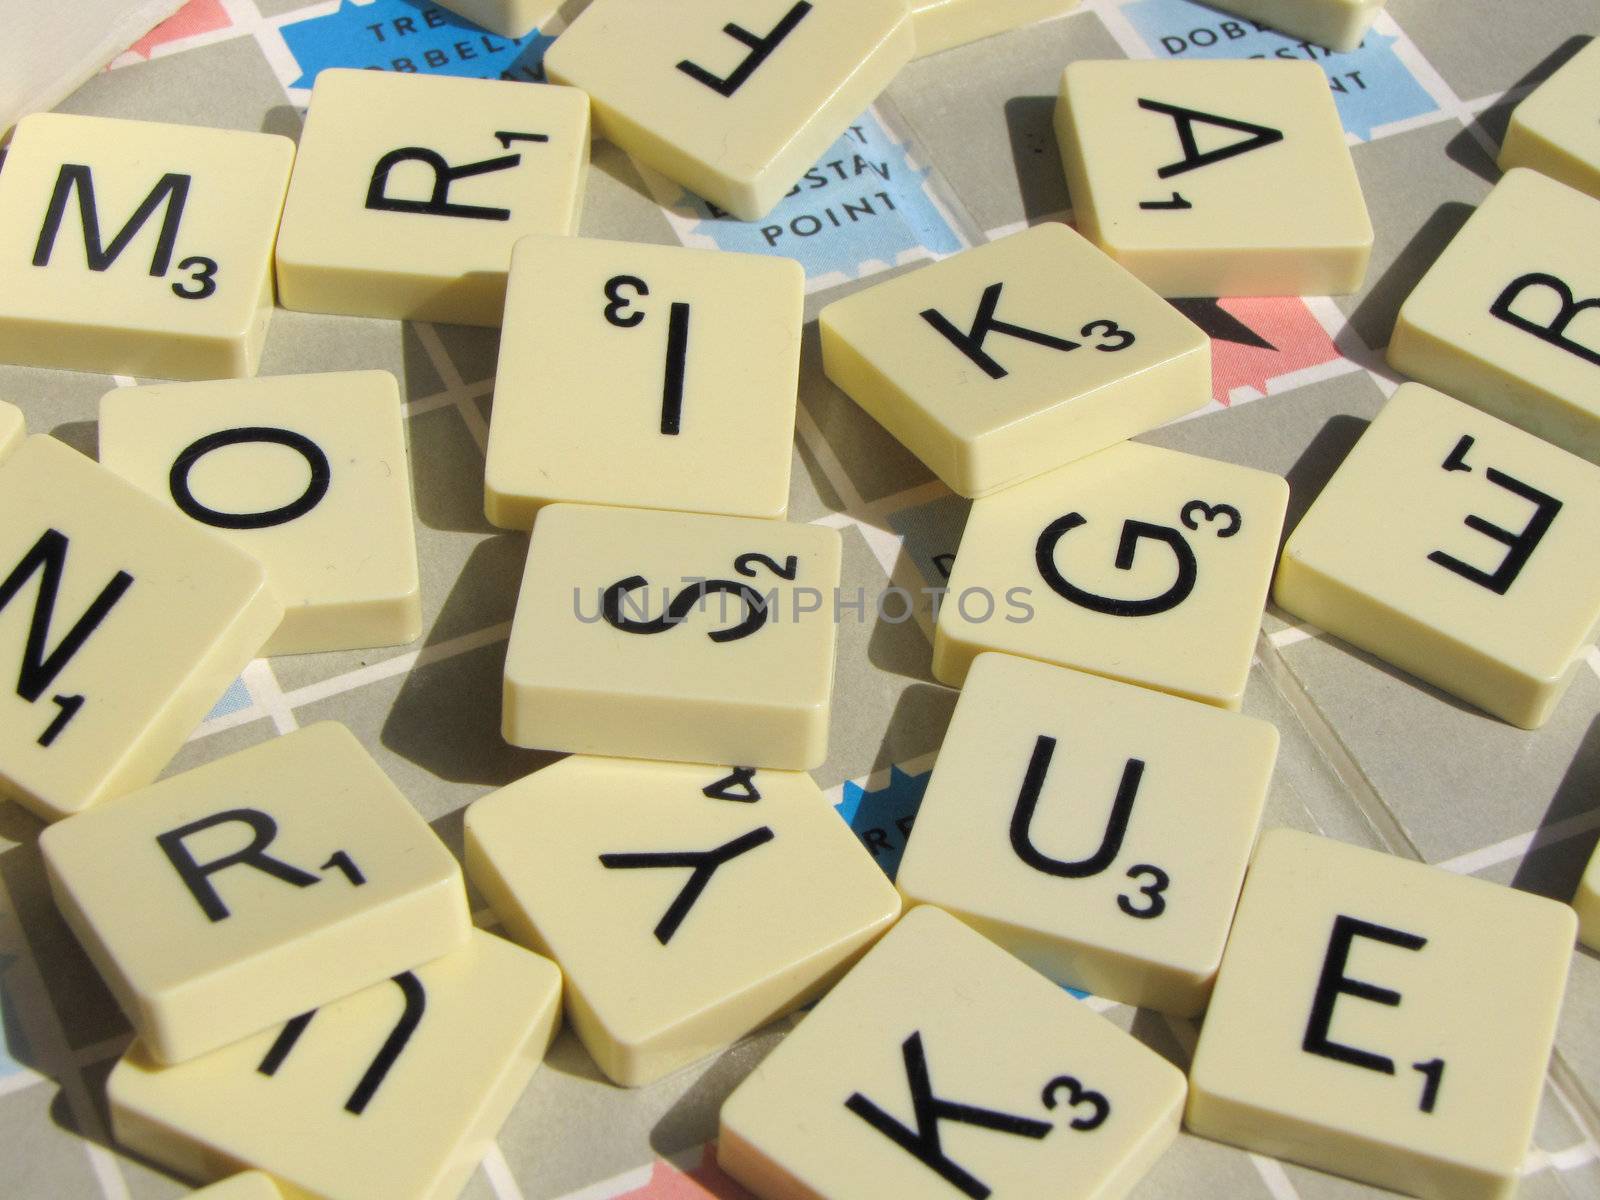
(685, 905)
(136, 248)
(1354, 1027)
(1556, 130)
(1587, 903)
(1061, 823)
(733, 101)
(1457, 548)
(394, 1093)
(1508, 317)
(250, 1185)
(1015, 357)
(307, 473)
(125, 623)
(410, 191)
(1337, 24)
(1215, 178)
(254, 888)
(1142, 564)
(13, 428)
(943, 24)
(1006, 1079)
(645, 377)
(508, 18)
(674, 636)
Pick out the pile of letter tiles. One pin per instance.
(316, 1013)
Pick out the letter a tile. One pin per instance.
(686, 905)
(1014, 358)
(943, 1067)
(134, 248)
(1139, 563)
(735, 101)
(674, 636)
(410, 191)
(307, 473)
(1224, 178)
(394, 1093)
(254, 888)
(1508, 317)
(123, 621)
(1459, 549)
(1096, 830)
(1382, 1019)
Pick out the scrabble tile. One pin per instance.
(394, 1093)
(410, 191)
(1015, 357)
(686, 905)
(733, 101)
(1382, 1019)
(1057, 823)
(126, 624)
(1508, 317)
(307, 473)
(1587, 903)
(1215, 178)
(1336, 24)
(1142, 564)
(214, 927)
(674, 636)
(13, 428)
(943, 24)
(249, 1185)
(1556, 130)
(1455, 547)
(508, 18)
(1007, 1081)
(135, 248)
(645, 377)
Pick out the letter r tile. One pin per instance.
(1458, 548)
(410, 191)
(253, 889)
(1508, 317)
(1382, 1019)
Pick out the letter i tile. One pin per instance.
(943, 1067)
(1382, 1019)
(254, 888)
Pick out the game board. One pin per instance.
(959, 150)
